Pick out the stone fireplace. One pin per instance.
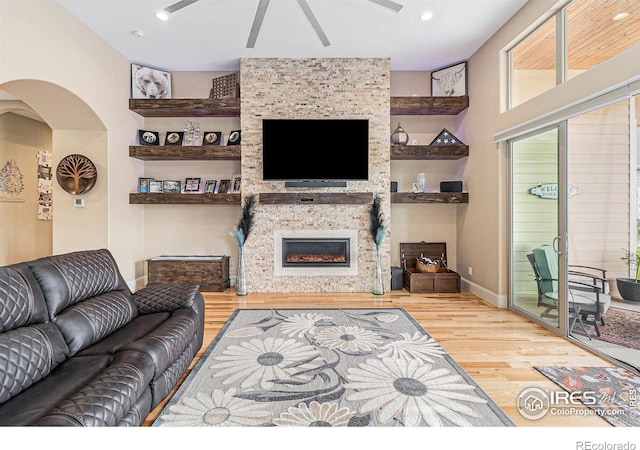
(312, 88)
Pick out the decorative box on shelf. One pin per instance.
(416, 280)
(211, 272)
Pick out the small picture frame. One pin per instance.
(211, 138)
(234, 138)
(147, 82)
(143, 185)
(449, 81)
(224, 186)
(236, 183)
(155, 187)
(171, 186)
(210, 186)
(174, 138)
(192, 185)
(147, 137)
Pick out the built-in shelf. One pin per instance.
(433, 152)
(185, 153)
(430, 197)
(186, 107)
(428, 106)
(184, 199)
(316, 198)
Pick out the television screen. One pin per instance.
(315, 149)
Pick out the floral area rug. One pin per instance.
(622, 327)
(611, 392)
(328, 367)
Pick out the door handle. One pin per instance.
(556, 247)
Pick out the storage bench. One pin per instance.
(210, 272)
(416, 281)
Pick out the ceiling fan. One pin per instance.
(262, 10)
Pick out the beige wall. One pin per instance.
(24, 237)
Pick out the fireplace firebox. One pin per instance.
(316, 252)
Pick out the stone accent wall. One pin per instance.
(331, 88)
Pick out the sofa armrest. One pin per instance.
(166, 297)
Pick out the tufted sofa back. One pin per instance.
(30, 346)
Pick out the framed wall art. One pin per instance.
(174, 138)
(171, 186)
(234, 138)
(147, 82)
(155, 187)
(192, 185)
(223, 187)
(143, 185)
(149, 137)
(210, 186)
(211, 138)
(236, 183)
(449, 81)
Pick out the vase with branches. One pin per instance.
(378, 229)
(241, 233)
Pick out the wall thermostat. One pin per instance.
(78, 202)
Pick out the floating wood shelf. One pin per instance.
(184, 199)
(416, 152)
(186, 107)
(430, 197)
(428, 106)
(185, 153)
(316, 198)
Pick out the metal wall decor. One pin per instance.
(449, 81)
(76, 174)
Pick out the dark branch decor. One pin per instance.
(241, 233)
(378, 230)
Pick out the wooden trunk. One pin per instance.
(211, 272)
(416, 281)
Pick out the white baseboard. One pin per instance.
(499, 301)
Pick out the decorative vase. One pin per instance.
(241, 279)
(399, 136)
(378, 284)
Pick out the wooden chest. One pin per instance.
(211, 272)
(419, 282)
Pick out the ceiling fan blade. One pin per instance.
(179, 5)
(306, 9)
(388, 4)
(257, 23)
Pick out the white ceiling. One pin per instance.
(211, 35)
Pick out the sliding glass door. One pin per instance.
(536, 227)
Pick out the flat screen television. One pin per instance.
(315, 149)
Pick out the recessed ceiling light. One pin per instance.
(162, 15)
(138, 33)
(621, 16)
(427, 15)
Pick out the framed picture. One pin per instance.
(211, 138)
(450, 81)
(192, 185)
(149, 137)
(210, 186)
(147, 82)
(174, 138)
(155, 186)
(172, 187)
(234, 138)
(236, 183)
(143, 185)
(223, 187)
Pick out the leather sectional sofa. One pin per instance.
(78, 348)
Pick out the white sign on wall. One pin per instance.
(550, 191)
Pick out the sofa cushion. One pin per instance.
(21, 301)
(73, 277)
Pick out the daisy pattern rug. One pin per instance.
(328, 367)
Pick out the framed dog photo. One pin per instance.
(172, 186)
(174, 138)
(149, 137)
(210, 186)
(223, 187)
(147, 82)
(211, 138)
(450, 81)
(192, 185)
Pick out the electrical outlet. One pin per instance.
(470, 270)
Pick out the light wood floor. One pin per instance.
(497, 347)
